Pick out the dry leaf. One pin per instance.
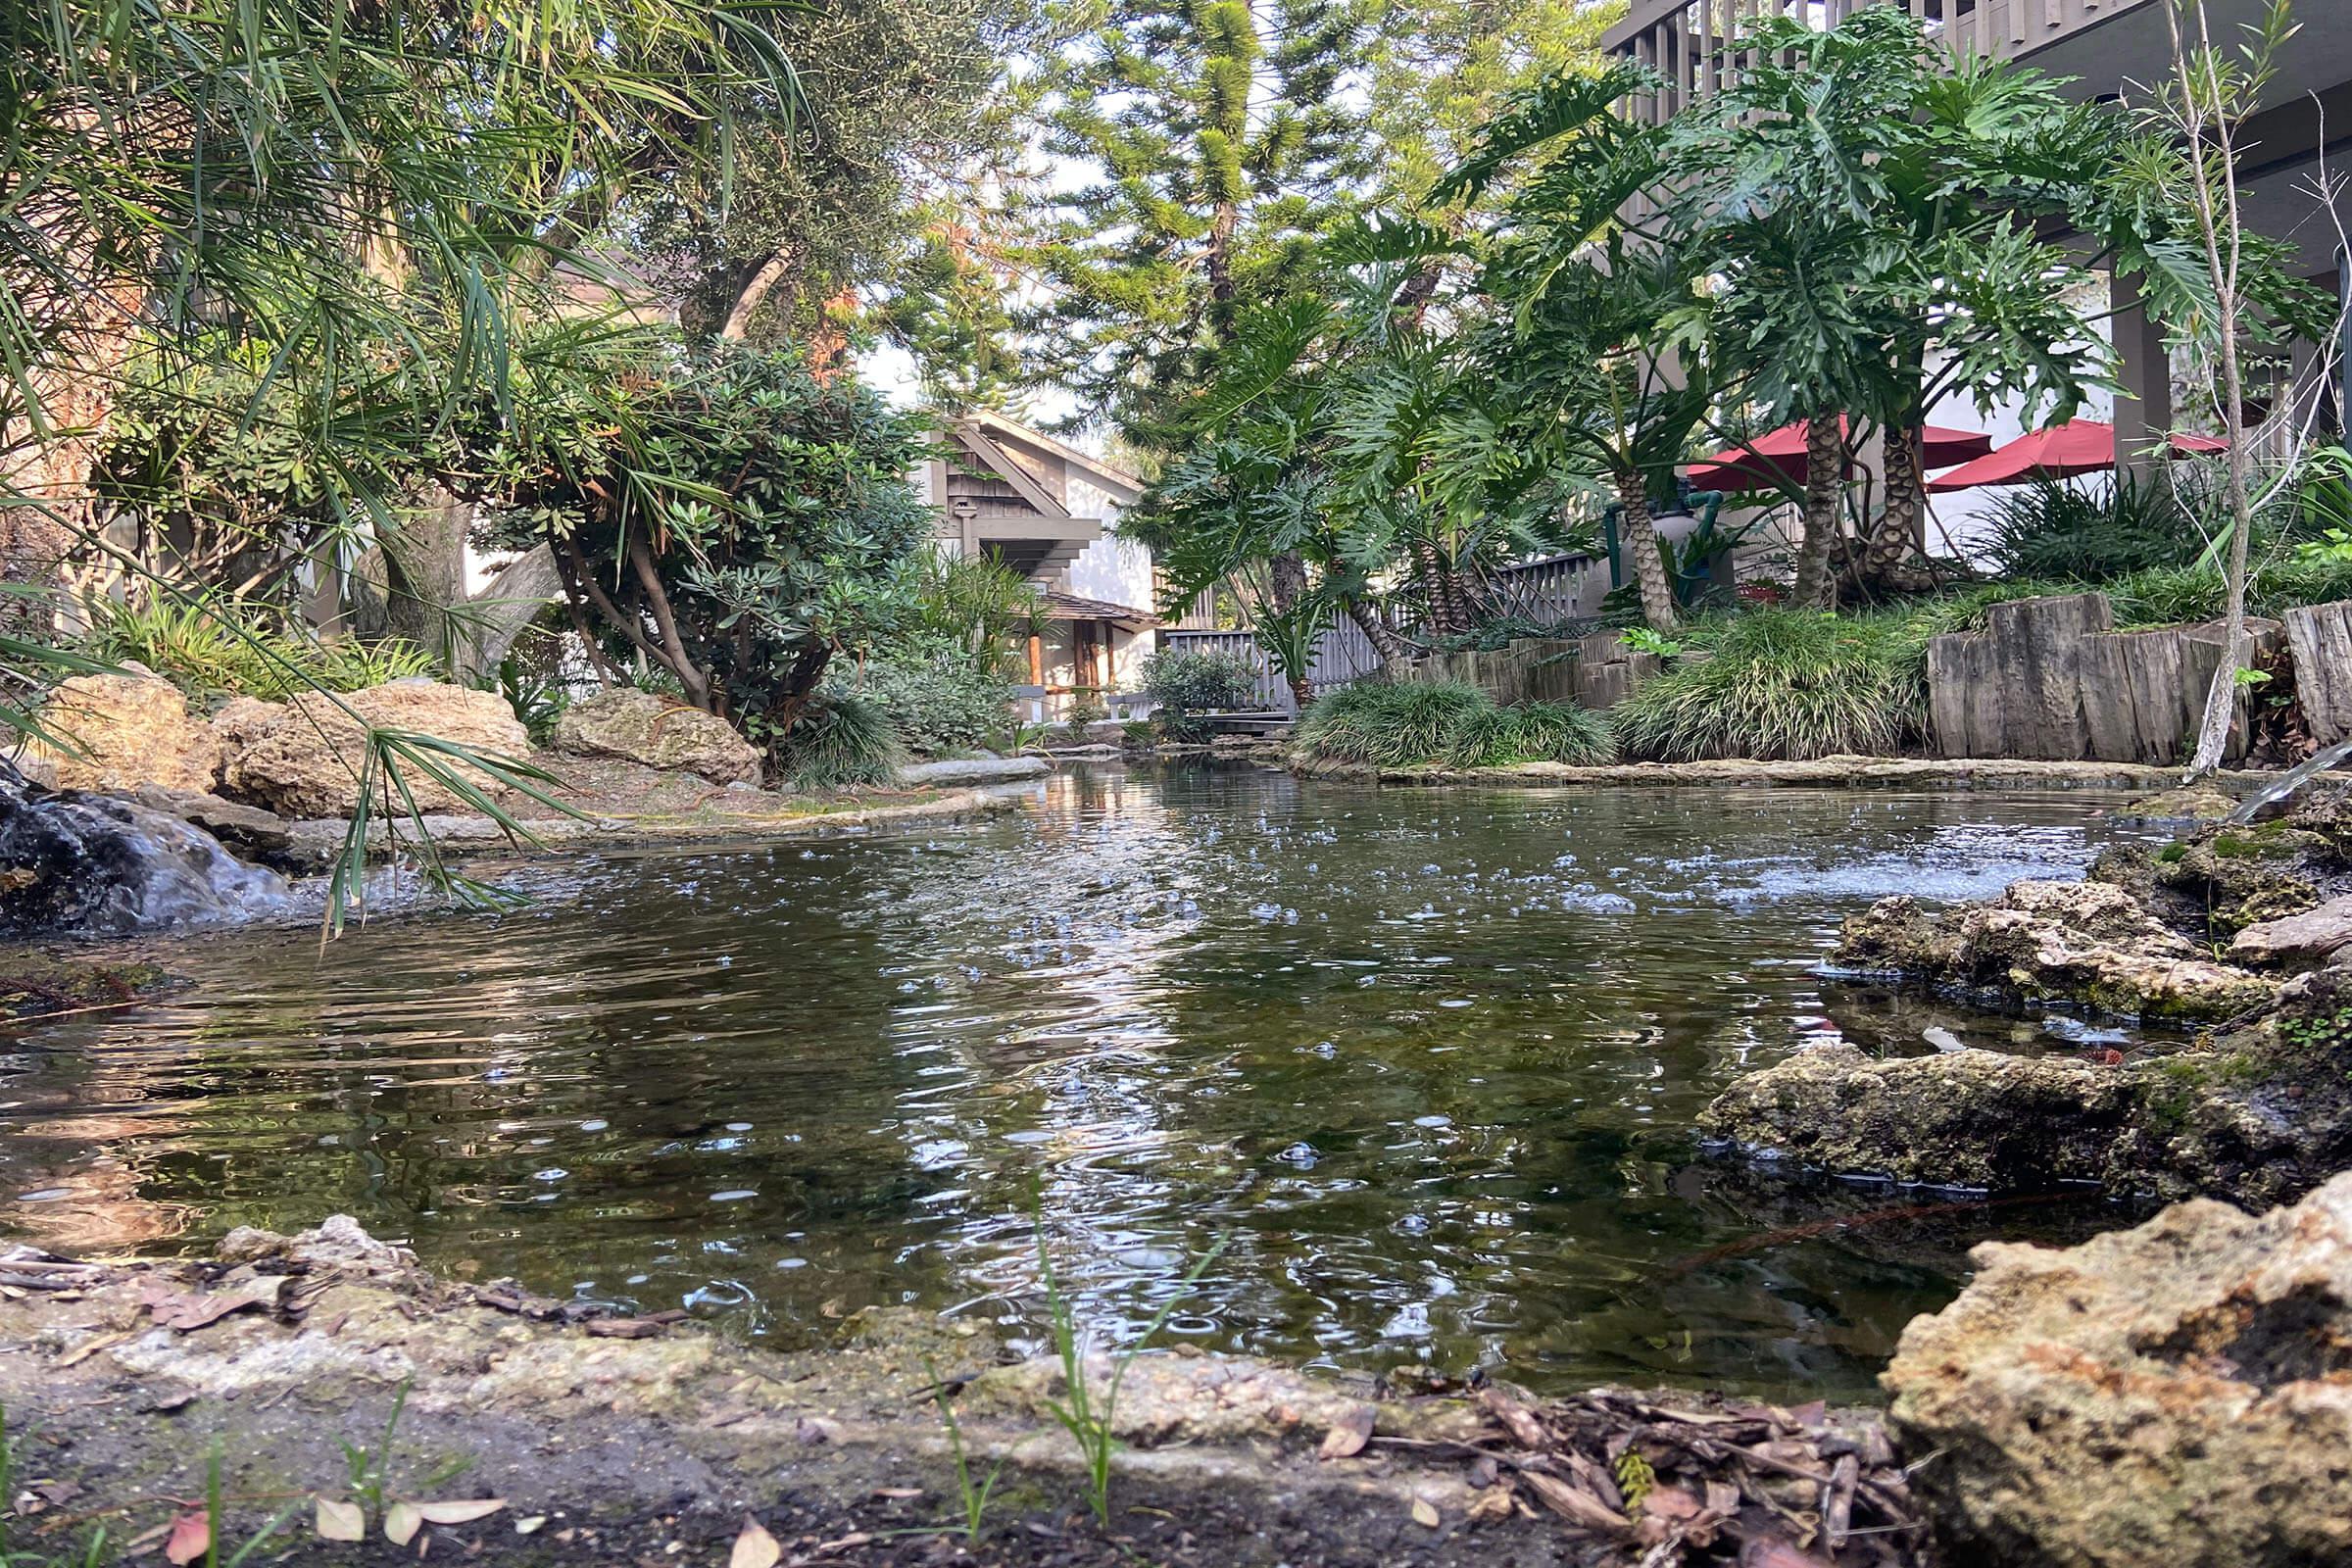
(190, 1539)
(340, 1521)
(188, 1310)
(91, 1346)
(461, 1511)
(1525, 1430)
(1348, 1433)
(402, 1521)
(1425, 1513)
(898, 1494)
(755, 1548)
(1774, 1551)
(530, 1526)
(1575, 1505)
(1670, 1504)
(1492, 1503)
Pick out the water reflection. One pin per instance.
(1425, 1059)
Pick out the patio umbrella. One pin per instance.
(1780, 458)
(2079, 446)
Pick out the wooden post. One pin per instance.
(1037, 660)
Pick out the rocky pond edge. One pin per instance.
(2174, 1393)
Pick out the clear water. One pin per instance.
(1426, 1060)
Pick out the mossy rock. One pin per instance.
(34, 984)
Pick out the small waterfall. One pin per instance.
(2278, 790)
(74, 862)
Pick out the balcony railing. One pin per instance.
(1689, 43)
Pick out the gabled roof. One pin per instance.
(1123, 486)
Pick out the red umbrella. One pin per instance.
(1780, 458)
(2079, 446)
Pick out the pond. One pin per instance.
(1424, 1061)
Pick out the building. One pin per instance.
(1050, 513)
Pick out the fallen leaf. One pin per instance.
(1425, 1513)
(91, 1346)
(1670, 1502)
(402, 1521)
(898, 1494)
(340, 1521)
(1495, 1502)
(1575, 1505)
(1348, 1433)
(191, 1538)
(755, 1548)
(190, 1310)
(530, 1526)
(1774, 1551)
(458, 1511)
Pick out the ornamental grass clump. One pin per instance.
(1446, 723)
(1781, 685)
(848, 741)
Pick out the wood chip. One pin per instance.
(1575, 1505)
(1514, 1418)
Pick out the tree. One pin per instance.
(1869, 204)
(734, 519)
(1217, 143)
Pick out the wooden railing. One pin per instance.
(1689, 42)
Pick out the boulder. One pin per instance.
(306, 762)
(2081, 942)
(1959, 1118)
(2180, 1393)
(243, 720)
(247, 829)
(129, 729)
(657, 731)
(2298, 941)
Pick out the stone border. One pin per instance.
(317, 840)
(1829, 772)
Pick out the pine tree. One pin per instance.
(1219, 138)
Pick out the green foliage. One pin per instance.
(973, 1495)
(1421, 723)
(210, 649)
(844, 742)
(1199, 682)
(937, 698)
(2056, 530)
(734, 517)
(976, 603)
(1780, 684)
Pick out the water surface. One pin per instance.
(1426, 1060)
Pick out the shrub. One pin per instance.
(1459, 726)
(1781, 685)
(1199, 682)
(216, 649)
(844, 742)
(938, 698)
(2054, 530)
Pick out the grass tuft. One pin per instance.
(1781, 685)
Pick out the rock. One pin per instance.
(130, 730)
(1958, 1118)
(307, 762)
(2182, 808)
(659, 732)
(2084, 942)
(339, 1244)
(76, 862)
(2180, 1393)
(243, 720)
(976, 770)
(2298, 941)
(246, 828)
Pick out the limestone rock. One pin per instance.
(2086, 941)
(2298, 941)
(659, 732)
(242, 720)
(247, 828)
(2180, 1393)
(132, 730)
(1961, 1118)
(307, 761)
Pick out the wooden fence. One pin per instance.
(1344, 654)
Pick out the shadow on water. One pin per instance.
(1428, 1058)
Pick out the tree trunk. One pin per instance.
(507, 603)
(1640, 541)
(1886, 555)
(1384, 638)
(753, 294)
(1825, 491)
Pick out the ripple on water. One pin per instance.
(1424, 1061)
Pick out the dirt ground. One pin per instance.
(650, 1442)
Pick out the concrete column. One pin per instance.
(2144, 406)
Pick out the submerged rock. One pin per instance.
(70, 861)
(2090, 943)
(126, 730)
(2181, 1393)
(657, 731)
(307, 761)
